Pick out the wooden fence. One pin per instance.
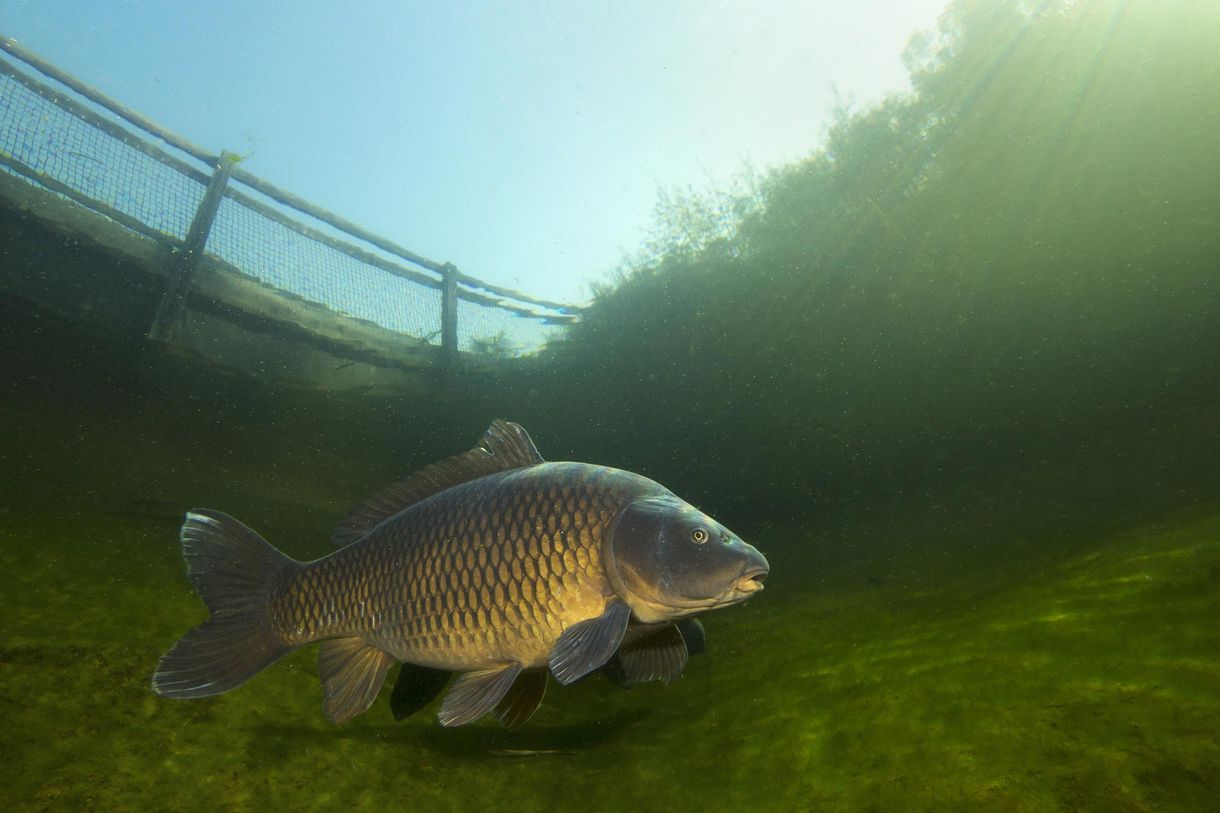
(221, 178)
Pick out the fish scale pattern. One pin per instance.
(484, 573)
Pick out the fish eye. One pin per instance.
(698, 536)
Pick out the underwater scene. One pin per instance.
(899, 482)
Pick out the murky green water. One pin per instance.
(958, 377)
(1018, 644)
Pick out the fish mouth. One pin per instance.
(751, 581)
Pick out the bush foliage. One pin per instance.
(1022, 251)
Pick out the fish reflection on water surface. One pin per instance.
(493, 565)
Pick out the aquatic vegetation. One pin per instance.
(1014, 681)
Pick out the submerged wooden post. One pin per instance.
(182, 263)
(449, 316)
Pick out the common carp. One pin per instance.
(493, 564)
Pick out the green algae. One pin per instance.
(1094, 685)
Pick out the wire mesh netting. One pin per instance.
(279, 256)
(62, 146)
(161, 194)
(498, 332)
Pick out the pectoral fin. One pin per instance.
(660, 656)
(693, 635)
(352, 673)
(588, 645)
(416, 687)
(522, 699)
(474, 694)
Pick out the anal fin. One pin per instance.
(473, 694)
(352, 673)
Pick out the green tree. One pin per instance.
(961, 279)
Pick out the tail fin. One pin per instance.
(234, 571)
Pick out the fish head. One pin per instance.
(667, 560)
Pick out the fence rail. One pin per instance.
(52, 137)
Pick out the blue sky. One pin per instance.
(524, 142)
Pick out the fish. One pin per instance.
(645, 655)
(494, 568)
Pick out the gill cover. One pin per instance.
(668, 560)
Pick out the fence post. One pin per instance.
(182, 263)
(449, 316)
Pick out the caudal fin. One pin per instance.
(234, 571)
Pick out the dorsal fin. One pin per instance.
(503, 446)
